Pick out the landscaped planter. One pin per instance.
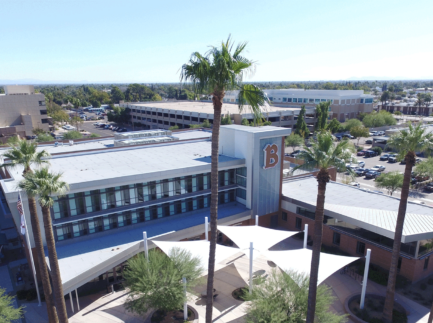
(173, 317)
(373, 306)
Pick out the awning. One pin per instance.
(299, 260)
(262, 238)
(199, 249)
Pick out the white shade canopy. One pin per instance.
(262, 238)
(299, 260)
(199, 249)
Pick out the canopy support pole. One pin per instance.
(78, 304)
(305, 236)
(364, 282)
(146, 248)
(257, 220)
(72, 303)
(206, 229)
(251, 267)
(185, 306)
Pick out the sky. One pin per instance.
(93, 41)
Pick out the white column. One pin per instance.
(78, 304)
(364, 282)
(251, 267)
(146, 248)
(185, 306)
(257, 220)
(72, 303)
(305, 236)
(206, 229)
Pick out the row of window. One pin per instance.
(109, 198)
(166, 115)
(144, 214)
(366, 100)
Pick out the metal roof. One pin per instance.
(368, 210)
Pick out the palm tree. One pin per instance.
(25, 154)
(221, 69)
(406, 142)
(322, 154)
(42, 184)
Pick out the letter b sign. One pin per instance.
(271, 156)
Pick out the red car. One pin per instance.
(361, 153)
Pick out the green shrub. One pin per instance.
(378, 150)
(72, 135)
(174, 127)
(359, 148)
(94, 135)
(43, 137)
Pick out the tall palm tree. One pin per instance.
(406, 142)
(25, 154)
(42, 184)
(220, 69)
(322, 154)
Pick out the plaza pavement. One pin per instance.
(109, 307)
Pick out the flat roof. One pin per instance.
(368, 210)
(207, 107)
(125, 164)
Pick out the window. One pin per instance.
(311, 100)
(44, 120)
(336, 238)
(43, 111)
(426, 263)
(362, 100)
(284, 216)
(322, 100)
(270, 99)
(295, 100)
(289, 99)
(368, 100)
(317, 101)
(241, 193)
(299, 100)
(63, 232)
(343, 101)
(241, 171)
(41, 103)
(298, 223)
(305, 100)
(360, 248)
(305, 212)
(284, 99)
(241, 181)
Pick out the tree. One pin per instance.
(73, 134)
(379, 119)
(384, 97)
(221, 69)
(8, 313)
(322, 115)
(427, 99)
(42, 184)
(359, 132)
(156, 283)
(283, 297)
(227, 119)
(294, 140)
(333, 126)
(44, 137)
(425, 168)
(351, 123)
(156, 97)
(321, 155)
(77, 121)
(116, 95)
(301, 126)
(406, 142)
(245, 122)
(206, 124)
(95, 102)
(25, 154)
(391, 181)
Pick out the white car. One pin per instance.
(68, 127)
(378, 168)
(361, 164)
(97, 124)
(356, 184)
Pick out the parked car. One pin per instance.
(115, 128)
(413, 181)
(373, 133)
(380, 133)
(356, 184)
(295, 152)
(372, 174)
(418, 160)
(361, 153)
(102, 125)
(68, 127)
(369, 141)
(384, 157)
(392, 159)
(30, 137)
(348, 136)
(338, 137)
(378, 168)
(370, 153)
(360, 172)
(97, 124)
(429, 187)
(122, 130)
(361, 164)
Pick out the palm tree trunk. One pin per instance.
(217, 103)
(390, 289)
(54, 266)
(322, 178)
(52, 314)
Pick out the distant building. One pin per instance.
(345, 104)
(21, 111)
(166, 114)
